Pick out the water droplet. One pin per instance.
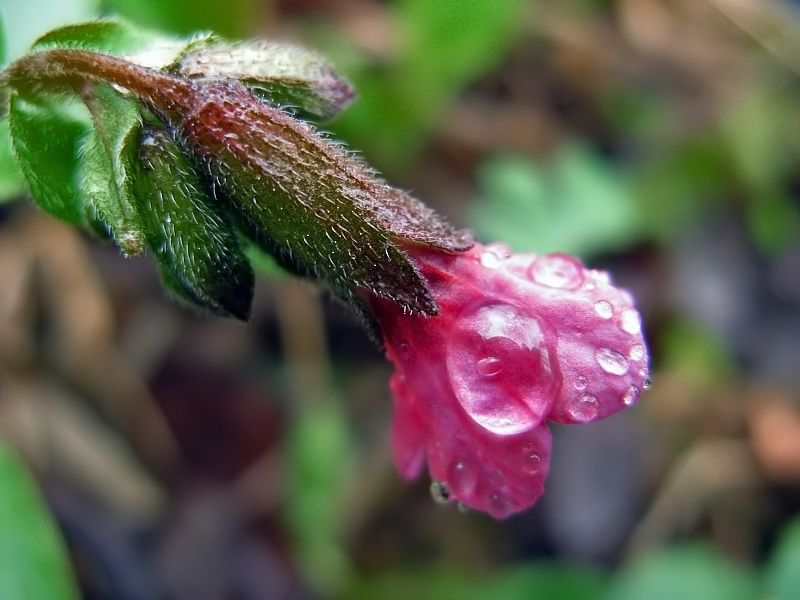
(168, 219)
(580, 382)
(440, 492)
(499, 505)
(636, 352)
(630, 321)
(584, 409)
(611, 362)
(532, 463)
(631, 397)
(494, 255)
(490, 366)
(604, 309)
(647, 382)
(557, 271)
(403, 349)
(463, 478)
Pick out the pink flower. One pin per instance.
(519, 339)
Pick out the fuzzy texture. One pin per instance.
(519, 339)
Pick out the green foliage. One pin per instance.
(108, 156)
(111, 36)
(536, 581)
(782, 575)
(320, 458)
(12, 183)
(33, 563)
(235, 19)
(692, 572)
(577, 204)
(46, 137)
(441, 47)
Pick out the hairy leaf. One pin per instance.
(195, 244)
(107, 158)
(46, 138)
(309, 203)
(287, 76)
(12, 182)
(109, 36)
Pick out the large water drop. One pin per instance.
(612, 362)
(604, 309)
(557, 271)
(440, 492)
(630, 321)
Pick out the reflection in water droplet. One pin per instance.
(490, 366)
(584, 409)
(557, 271)
(631, 397)
(463, 478)
(580, 382)
(611, 362)
(604, 309)
(647, 380)
(636, 352)
(494, 255)
(499, 505)
(630, 321)
(440, 492)
(532, 463)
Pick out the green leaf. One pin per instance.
(448, 42)
(33, 560)
(12, 183)
(782, 575)
(46, 138)
(537, 581)
(110, 36)
(446, 45)
(690, 573)
(195, 244)
(108, 154)
(320, 458)
(233, 19)
(577, 204)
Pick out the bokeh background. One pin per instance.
(189, 457)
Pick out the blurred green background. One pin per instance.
(185, 457)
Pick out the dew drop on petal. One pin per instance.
(631, 396)
(611, 362)
(604, 309)
(647, 381)
(463, 478)
(494, 255)
(580, 382)
(490, 366)
(630, 321)
(532, 463)
(636, 352)
(440, 492)
(499, 505)
(584, 408)
(556, 271)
